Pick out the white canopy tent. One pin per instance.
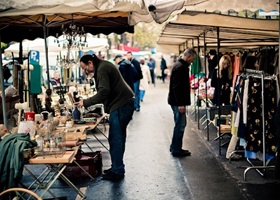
(37, 45)
(55, 48)
(55, 45)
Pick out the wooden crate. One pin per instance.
(90, 161)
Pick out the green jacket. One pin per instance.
(11, 158)
(112, 89)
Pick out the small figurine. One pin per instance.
(48, 101)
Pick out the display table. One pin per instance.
(66, 158)
(93, 125)
(89, 126)
(78, 133)
(54, 170)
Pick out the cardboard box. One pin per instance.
(90, 161)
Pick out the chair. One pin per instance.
(212, 115)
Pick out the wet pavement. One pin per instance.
(153, 173)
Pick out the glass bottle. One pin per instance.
(76, 114)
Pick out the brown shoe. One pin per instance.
(235, 157)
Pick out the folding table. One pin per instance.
(55, 165)
(89, 126)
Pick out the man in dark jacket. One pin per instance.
(212, 61)
(178, 99)
(163, 67)
(126, 69)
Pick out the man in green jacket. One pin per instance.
(118, 97)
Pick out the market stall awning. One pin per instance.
(189, 28)
(138, 10)
(22, 27)
(226, 5)
(24, 19)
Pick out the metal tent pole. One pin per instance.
(46, 51)
(279, 46)
(206, 112)
(198, 100)
(219, 106)
(3, 89)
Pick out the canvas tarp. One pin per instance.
(236, 5)
(188, 28)
(58, 12)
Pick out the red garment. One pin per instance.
(235, 68)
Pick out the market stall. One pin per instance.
(226, 33)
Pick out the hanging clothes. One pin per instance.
(254, 125)
(236, 67)
(267, 57)
(277, 133)
(239, 123)
(196, 66)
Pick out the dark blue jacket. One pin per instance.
(152, 64)
(127, 71)
(137, 66)
(163, 65)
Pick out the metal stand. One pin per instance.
(265, 163)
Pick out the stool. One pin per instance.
(225, 129)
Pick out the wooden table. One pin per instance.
(79, 131)
(94, 125)
(57, 165)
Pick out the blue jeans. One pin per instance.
(142, 94)
(118, 122)
(137, 95)
(180, 120)
(152, 72)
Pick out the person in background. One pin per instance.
(212, 61)
(56, 78)
(117, 96)
(126, 70)
(163, 67)
(152, 65)
(137, 79)
(144, 82)
(179, 97)
(221, 80)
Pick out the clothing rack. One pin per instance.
(261, 74)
